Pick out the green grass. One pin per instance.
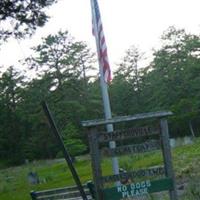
(14, 181)
(55, 173)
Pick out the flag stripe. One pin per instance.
(100, 37)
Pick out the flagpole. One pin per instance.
(105, 96)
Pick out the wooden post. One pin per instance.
(167, 156)
(64, 150)
(130, 191)
(33, 195)
(96, 167)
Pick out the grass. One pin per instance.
(14, 181)
(55, 173)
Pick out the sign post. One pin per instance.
(150, 180)
(167, 154)
(96, 157)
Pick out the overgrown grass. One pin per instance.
(14, 183)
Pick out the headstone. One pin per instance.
(9, 178)
(33, 178)
(179, 142)
(188, 140)
(172, 142)
(26, 161)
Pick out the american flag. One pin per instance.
(100, 38)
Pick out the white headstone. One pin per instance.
(172, 142)
(187, 140)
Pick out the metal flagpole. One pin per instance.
(104, 91)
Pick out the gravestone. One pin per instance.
(187, 140)
(33, 178)
(172, 142)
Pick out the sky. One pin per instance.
(126, 22)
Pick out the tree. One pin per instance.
(171, 81)
(167, 73)
(66, 62)
(65, 84)
(39, 142)
(11, 128)
(185, 112)
(127, 82)
(24, 16)
(72, 140)
(62, 65)
(10, 87)
(62, 57)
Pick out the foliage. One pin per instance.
(168, 83)
(62, 58)
(64, 67)
(11, 125)
(72, 140)
(63, 81)
(127, 83)
(23, 17)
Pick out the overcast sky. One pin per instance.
(126, 23)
